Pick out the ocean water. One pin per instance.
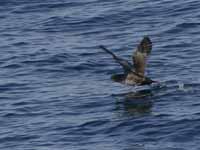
(55, 86)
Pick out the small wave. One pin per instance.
(49, 60)
(20, 44)
(43, 7)
(12, 66)
(19, 138)
(12, 84)
(90, 124)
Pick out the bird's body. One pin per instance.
(129, 79)
(132, 79)
(134, 74)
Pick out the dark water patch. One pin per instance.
(64, 128)
(7, 34)
(20, 103)
(42, 62)
(41, 59)
(20, 44)
(67, 113)
(24, 114)
(92, 32)
(13, 86)
(3, 17)
(95, 104)
(12, 66)
(188, 6)
(93, 124)
(86, 66)
(53, 21)
(36, 7)
(61, 24)
(19, 138)
(176, 30)
(32, 9)
(188, 25)
(5, 97)
(43, 52)
(178, 46)
(88, 54)
(183, 27)
(117, 127)
(160, 116)
(45, 70)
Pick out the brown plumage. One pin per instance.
(140, 55)
(134, 74)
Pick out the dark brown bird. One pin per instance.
(134, 74)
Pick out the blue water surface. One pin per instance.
(55, 86)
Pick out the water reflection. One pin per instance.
(140, 102)
(135, 103)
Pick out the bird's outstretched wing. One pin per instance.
(124, 63)
(140, 55)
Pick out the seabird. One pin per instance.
(134, 74)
